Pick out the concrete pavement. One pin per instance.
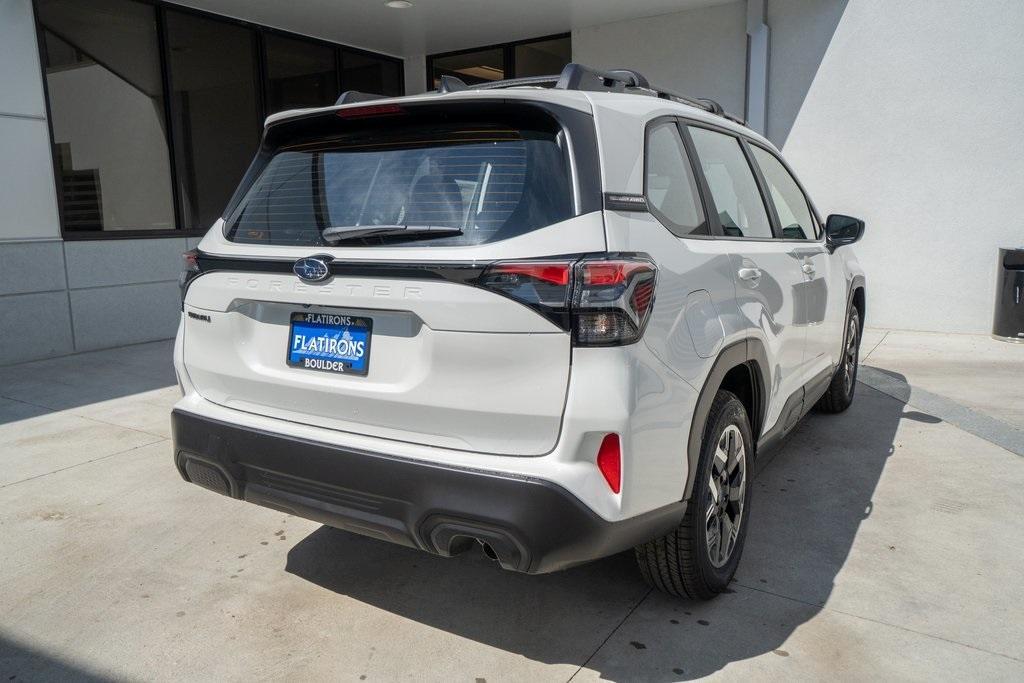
(884, 543)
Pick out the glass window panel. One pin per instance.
(472, 67)
(790, 203)
(216, 120)
(489, 180)
(671, 189)
(370, 74)
(299, 74)
(543, 57)
(107, 111)
(733, 187)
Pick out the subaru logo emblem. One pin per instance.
(312, 269)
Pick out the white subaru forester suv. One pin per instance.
(560, 322)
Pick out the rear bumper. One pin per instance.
(531, 525)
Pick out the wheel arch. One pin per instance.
(858, 298)
(742, 367)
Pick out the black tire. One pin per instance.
(680, 563)
(839, 394)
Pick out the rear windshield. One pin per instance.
(489, 181)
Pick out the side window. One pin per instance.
(671, 189)
(733, 188)
(794, 213)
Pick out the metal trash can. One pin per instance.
(1008, 323)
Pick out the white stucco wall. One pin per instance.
(699, 52)
(909, 115)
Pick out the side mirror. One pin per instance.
(842, 230)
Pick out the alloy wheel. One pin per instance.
(727, 483)
(850, 355)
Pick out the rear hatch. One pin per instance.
(401, 326)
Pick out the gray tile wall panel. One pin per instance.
(31, 267)
(112, 316)
(34, 326)
(120, 262)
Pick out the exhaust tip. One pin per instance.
(488, 550)
(451, 537)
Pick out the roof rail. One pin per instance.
(352, 96)
(579, 77)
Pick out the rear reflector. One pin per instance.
(609, 461)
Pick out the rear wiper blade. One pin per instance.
(345, 232)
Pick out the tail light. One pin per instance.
(602, 301)
(189, 271)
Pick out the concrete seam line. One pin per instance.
(84, 462)
(824, 608)
(610, 634)
(990, 429)
(877, 344)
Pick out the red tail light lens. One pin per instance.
(540, 284)
(613, 301)
(602, 301)
(609, 461)
(554, 273)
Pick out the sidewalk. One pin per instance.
(885, 543)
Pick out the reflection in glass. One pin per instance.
(734, 190)
(370, 74)
(790, 204)
(472, 67)
(543, 57)
(107, 111)
(213, 102)
(299, 74)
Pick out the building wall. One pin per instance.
(60, 297)
(908, 114)
(700, 51)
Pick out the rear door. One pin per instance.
(768, 276)
(401, 339)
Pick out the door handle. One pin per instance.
(751, 275)
(808, 268)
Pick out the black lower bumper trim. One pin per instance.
(528, 524)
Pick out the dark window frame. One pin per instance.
(258, 32)
(508, 55)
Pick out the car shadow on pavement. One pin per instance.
(20, 662)
(810, 498)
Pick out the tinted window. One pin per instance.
(472, 67)
(671, 189)
(543, 57)
(107, 112)
(733, 188)
(367, 73)
(795, 215)
(213, 97)
(299, 74)
(492, 182)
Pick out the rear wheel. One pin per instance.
(699, 558)
(839, 395)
